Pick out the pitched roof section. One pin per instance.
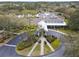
(51, 17)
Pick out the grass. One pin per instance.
(55, 44)
(71, 43)
(33, 12)
(68, 31)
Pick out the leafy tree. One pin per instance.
(9, 23)
(30, 29)
(74, 21)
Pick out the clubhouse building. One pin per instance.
(50, 21)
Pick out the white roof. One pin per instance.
(50, 17)
(57, 24)
(53, 24)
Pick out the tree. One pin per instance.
(30, 29)
(9, 23)
(74, 21)
(62, 9)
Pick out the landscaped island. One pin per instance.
(25, 46)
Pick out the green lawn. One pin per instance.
(71, 43)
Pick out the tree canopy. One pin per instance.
(74, 21)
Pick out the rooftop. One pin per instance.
(51, 18)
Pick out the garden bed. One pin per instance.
(28, 46)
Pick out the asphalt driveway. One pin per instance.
(15, 40)
(6, 51)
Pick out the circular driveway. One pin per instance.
(6, 51)
(9, 51)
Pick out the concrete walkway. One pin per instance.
(42, 40)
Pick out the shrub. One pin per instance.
(26, 43)
(30, 28)
(22, 45)
(1, 40)
(50, 38)
(4, 36)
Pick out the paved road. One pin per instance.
(55, 33)
(7, 51)
(15, 40)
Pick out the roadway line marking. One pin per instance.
(10, 45)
